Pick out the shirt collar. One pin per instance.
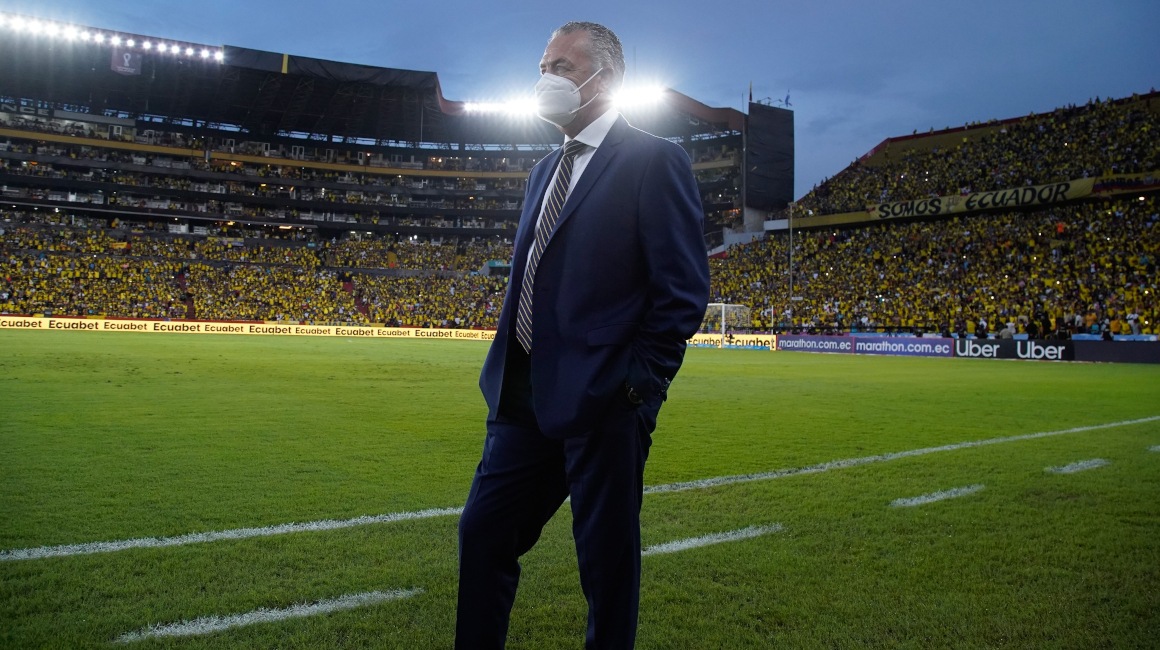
(594, 133)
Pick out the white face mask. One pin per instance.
(558, 99)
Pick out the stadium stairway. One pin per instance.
(358, 301)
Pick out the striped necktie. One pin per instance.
(544, 230)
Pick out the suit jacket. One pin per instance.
(621, 286)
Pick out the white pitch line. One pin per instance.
(1078, 466)
(330, 524)
(208, 624)
(714, 538)
(866, 460)
(235, 533)
(1156, 448)
(937, 496)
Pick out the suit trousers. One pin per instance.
(519, 484)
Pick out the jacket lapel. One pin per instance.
(532, 210)
(604, 153)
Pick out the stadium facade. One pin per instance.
(138, 128)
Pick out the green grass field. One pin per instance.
(114, 436)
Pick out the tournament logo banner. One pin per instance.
(1032, 195)
(126, 62)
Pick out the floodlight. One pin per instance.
(116, 40)
(189, 51)
(130, 42)
(205, 54)
(218, 55)
(33, 27)
(86, 36)
(162, 47)
(71, 33)
(100, 38)
(146, 45)
(51, 30)
(17, 24)
(639, 96)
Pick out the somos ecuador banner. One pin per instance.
(1012, 198)
(203, 327)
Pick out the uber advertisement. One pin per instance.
(1034, 350)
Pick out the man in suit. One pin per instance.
(609, 279)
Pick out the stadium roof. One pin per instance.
(267, 94)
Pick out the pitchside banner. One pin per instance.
(747, 341)
(1012, 198)
(1010, 349)
(201, 327)
(903, 347)
(806, 343)
(915, 347)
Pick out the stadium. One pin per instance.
(246, 296)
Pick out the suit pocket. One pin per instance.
(612, 334)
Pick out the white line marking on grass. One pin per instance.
(1078, 466)
(937, 496)
(714, 538)
(208, 624)
(866, 460)
(330, 524)
(235, 533)
(1156, 448)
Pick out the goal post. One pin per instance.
(722, 317)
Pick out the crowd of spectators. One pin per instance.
(1066, 268)
(1098, 138)
(431, 301)
(88, 285)
(276, 293)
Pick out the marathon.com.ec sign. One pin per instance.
(203, 327)
(1018, 197)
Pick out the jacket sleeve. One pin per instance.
(671, 223)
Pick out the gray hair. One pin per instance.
(603, 47)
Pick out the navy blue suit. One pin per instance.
(621, 285)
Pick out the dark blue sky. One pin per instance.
(857, 71)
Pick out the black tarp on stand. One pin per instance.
(769, 157)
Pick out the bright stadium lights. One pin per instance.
(639, 96)
(71, 33)
(162, 47)
(515, 107)
(51, 30)
(218, 55)
(130, 42)
(100, 38)
(146, 45)
(189, 51)
(205, 54)
(116, 40)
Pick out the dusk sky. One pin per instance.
(856, 72)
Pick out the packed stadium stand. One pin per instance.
(225, 183)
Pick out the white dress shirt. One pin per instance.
(592, 135)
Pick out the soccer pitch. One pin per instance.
(111, 437)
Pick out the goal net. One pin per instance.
(722, 317)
